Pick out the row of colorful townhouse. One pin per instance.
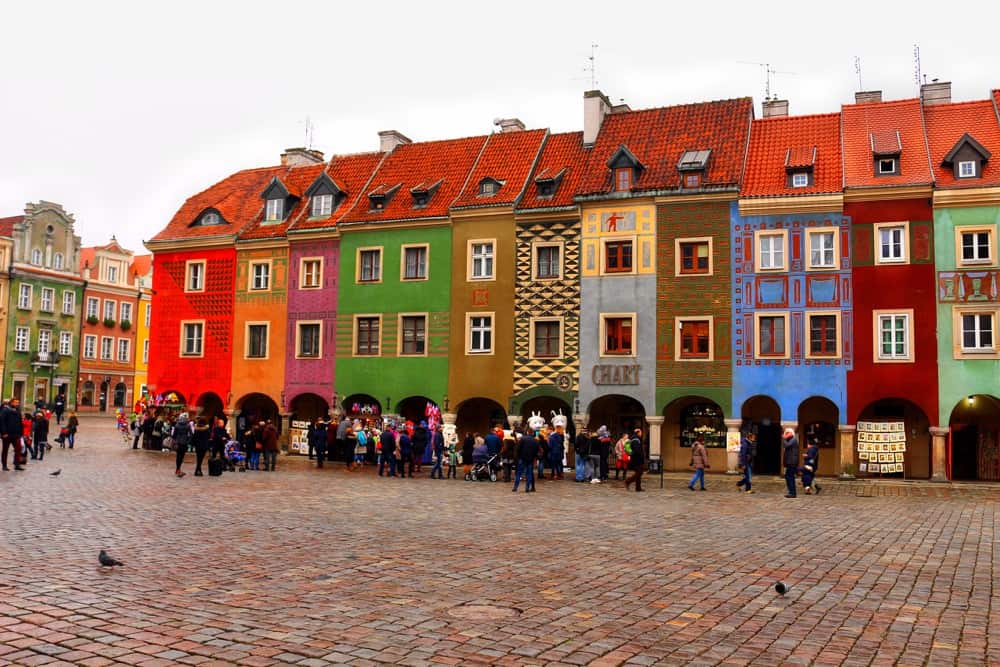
(76, 319)
(688, 269)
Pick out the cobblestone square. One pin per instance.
(316, 567)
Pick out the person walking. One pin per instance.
(59, 407)
(556, 451)
(218, 438)
(468, 445)
(156, 435)
(317, 440)
(72, 426)
(420, 439)
(453, 456)
(604, 452)
(437, 453)
(699, 461)
(270, 435)
(41, 436)
(388, 440)
(790, 458)
(748, 450)
(146, 427)
(341, 439)
(12, 430)
(527, 452)
(405, 446)
(636, 461)
(622, 456)
(809, 467)
(200, 436)
(581, 456)
(181, 434)
(507, 452)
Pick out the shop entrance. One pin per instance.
(684, 420)
(256, 408)
(546, 405)
(975, 439)
(305, 409)
(362, 407)
(914, 448)
(479, 415)
(762, 415)
(417, 409)
(210, 405)
(621, 414)
(818, 419)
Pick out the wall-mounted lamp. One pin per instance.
(445, 402)
(971, 399)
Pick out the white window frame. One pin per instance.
(399, 337)
(963, 173)
(481, 258)
(303, 262)
(960, 351)
(190, 272)
(57, 261)
(756, 334)
(89, 346)
(110, 309)
(678, 323)
(807, 337)
(602, 326)
(471, 329)
(821, 232)
(107, 354)
(201, 341)
(125, 312)
(354, 335)
(252, 283)
(679, 259)
(22, 339)
(800, 179)
(65, 343)
(562, 337)
(381, 265)
(904, 228)
(321, 206)
(890, 172)
(149, 314)
(274, 210)
(111, 272)
(50, 306)
(878, 356)
(44, 341)
(69, 302)
(127, 348)
(267, 340)
(535, 247)
(93, 307)
(36, 256)
(24, 298)
(145, 351)
(427, 261)
(759, 236)
(991, 247)
(298, 339)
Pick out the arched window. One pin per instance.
(57, 261)
(36, 257)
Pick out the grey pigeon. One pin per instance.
(106, 560)
(780, 588)
(56, 472)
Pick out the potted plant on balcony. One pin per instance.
(126, 325)
(92, 319)
(109, 322)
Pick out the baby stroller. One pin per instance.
(484, 466)
(235, 457)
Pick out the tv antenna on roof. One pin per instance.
(309, 132)
(857, 69)
(592, 67)
(768, 74)
(918, 76)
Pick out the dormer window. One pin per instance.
(799, 163)
(886, 149)
(420, 199)
(321, 206)
(210, 218)
(324, 196)
(380, 197)
(548, 181)
(275, 210)
(276, 196)
(800, 179)
(623, 179)
(422, 192)
(692, 180)
(967, 158)
(546, 189)
(692, 166)
(625, 168)
(967, 169)
(376, 202)
(489, 187)
(887, 166)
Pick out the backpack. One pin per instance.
(182, 432)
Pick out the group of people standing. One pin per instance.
(26, 434)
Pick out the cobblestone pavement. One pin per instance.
(316, 567)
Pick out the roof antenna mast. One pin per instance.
(768, 74)
(857, 69)
(309, 133)
(917, 74)
(592, 67)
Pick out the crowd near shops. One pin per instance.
(25, 433)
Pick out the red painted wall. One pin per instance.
(878, 287)
(168, 371)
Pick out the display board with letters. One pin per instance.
(881, 447)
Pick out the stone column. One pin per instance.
(733, 458)
(845, 441)
(655, 429)
(939, 455)
(448, 418)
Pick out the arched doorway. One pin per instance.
(304, 409)
(818, 419)
(621, 414)
(87, 394)
(762, 415)
(210, 406)
(546, 405)
(257, 408)
(975, 438)
(417, 409)
(361, 406)
(120, 391)
(684, 419)
(478, 415)
(877, 434)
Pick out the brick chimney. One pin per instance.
(868, 97)
(509, 124)
(774, 108)
(935, 93)
(595, 107)
(297, 157)
(389, 139)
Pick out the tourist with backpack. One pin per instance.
(748, 450)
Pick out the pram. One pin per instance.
(235, 457)
(484, 466)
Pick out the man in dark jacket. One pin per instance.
(748, 449)
(59, 407)
(419, 440)
(790, 459)
(12, 430)
(527, 452)
(388, 441)
(636, 461)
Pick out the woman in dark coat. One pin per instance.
(200, 439)
(467, 446)
(317, 440)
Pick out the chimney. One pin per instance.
(509, 124)
(595, 108)
(774, 108)
(935, 93)
(298, 157)
(389, 139)
(868, 97)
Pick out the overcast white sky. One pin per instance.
(121, 110)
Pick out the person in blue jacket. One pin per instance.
(809, 467)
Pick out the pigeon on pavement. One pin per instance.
(56, 472)
(106, 560)
(780, 588)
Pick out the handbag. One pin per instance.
(169, 443)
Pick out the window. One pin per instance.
(93, 306)
(547, 262)
(893, 331)
(824, 335)
(21, 339)
(57, 261)
(966, 169)
(623, 179)
(800, 179)
(311, 271)
(107, 345)
(890, 239)
(260, 275)
(977, 332)
(256, 341)
(126, 312)
(367, 336)
(695, 339)
(887, 166)
(124, 350)
(44, 343)
(149, 313)
(275, 210)
(195, 281)
(370, 265)
(65, 343)
(771, 251)
(322, 205)
(546, 338)
(975, 245)
(69, 303)
(48, 299)
(488, 187)
(414, 334)
(109, 309)
(618, 334)
(822, 249)
(210, 218)
(618, 257)
(24, 296)
(145, 351)
(481, 260)
(480, 333)
(308, 339)
(772, 335)
(192, 335)
(89, 347)
(692, 179)
(36, 257)
(415, 262)
(112, 273)
(694, 256)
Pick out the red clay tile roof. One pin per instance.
(861, 122)
(563, 154)
(449, 161)
(780, 142)
(141, 264)
(508, 158)
(87, 257)
(351, 173)
(7, 225)
(659, 137)
(947, 123)
(886, 142)
(296, 180)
